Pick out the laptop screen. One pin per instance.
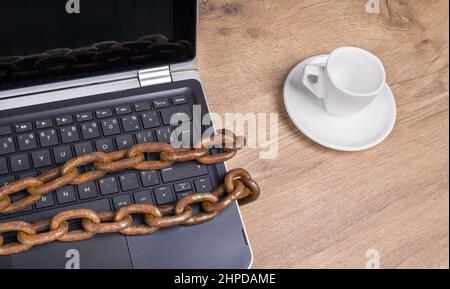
(54, 40)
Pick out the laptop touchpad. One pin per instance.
(101, 252)
(108, 251)
(215, 245)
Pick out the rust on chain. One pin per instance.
(45, 237)
(19, 186)
(146, 209)
(252, 192)
(232, 176)
(197, 198)
(77, 235)
(252, 189)
(73, 165)
(169, 221)
(120, 162)
(5, 201)
(239, 189)
(108, 224)
(53, 185)
(15, 226)
(49, 175)
(226, 141)
(184, 155)
(224, 156)
(20, 205)
(151, 148)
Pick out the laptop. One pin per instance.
(102, 75)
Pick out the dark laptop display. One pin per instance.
(66, 39)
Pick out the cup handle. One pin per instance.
(316, 87)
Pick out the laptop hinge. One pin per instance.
(154, 76)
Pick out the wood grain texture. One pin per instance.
(321, 208)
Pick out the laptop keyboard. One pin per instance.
(38, 145)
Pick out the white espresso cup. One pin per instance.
(350, 80)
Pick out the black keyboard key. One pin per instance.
(19, 196)
(105, 145)
(183, 194)
(87, 191)
(7, 180)
(27, 141)
(85, 116)
(121, 201)
(27, 175)
(23, 127)
(103, 113)
(46, 123)
(143, 197)
(3, 166)
(90, 130)
(161, 103)
(7, 145)
(83, 148)
(101, 205)
(48, 138)
(183, 171)
(124, 142)
(123, 110)
(182, 187)
(181, 99)
(69, 134)
(164, 195)
(150, 119)
(130, 123)
(110, 127)
(62, 154)
(143, 106)
(41, 159)
(163, 134)
(108, 186)
(129, 181)
(145, 137)
(20, 163)
(177, 112)
(63, 120)
(66, 195)
(203, 185)
(4, 130)
(46, 201)
(149, 178)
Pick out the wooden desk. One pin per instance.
(321, 208)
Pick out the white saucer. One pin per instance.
(362, 131)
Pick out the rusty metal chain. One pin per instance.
(103, 163)
(238, 186)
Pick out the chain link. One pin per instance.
(238, 186)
